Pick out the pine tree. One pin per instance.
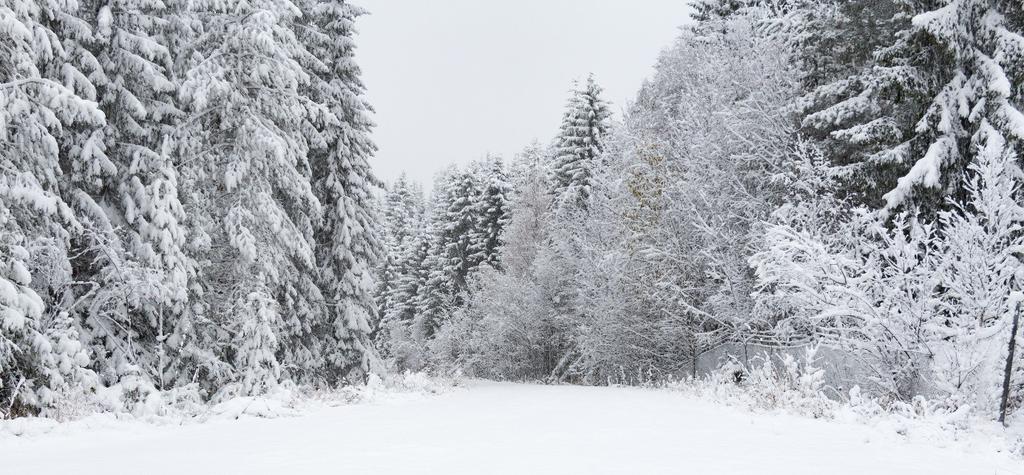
(899, 124)
(348, 246)
(247, 143)
(457, 233)
(256, 344)
(40, 354)
(579, 143)
(402, 211)
(401, 216)
(493, 212)
(409, 276)
(402, 333)
(41, 358)
(867, 82)
(435, 299)
(449, 214)
(982, 87)
(150, 271)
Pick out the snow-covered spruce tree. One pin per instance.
(835, 40)
(41, 358)
(40, 354)
(143, 279)
(579, 143)
(400, 339)
(451, 231)
(256, 344)
(507, 328)
(900, 125)
(347, 242)
(869, 76)
(468, 213)
(457, 237)
(247, 144)
(402, 211)
(402, 217)
(983, 85)
(493, 212)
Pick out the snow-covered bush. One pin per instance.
(41, 356)
(772, 381)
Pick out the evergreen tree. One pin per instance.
(866, 87)
(40, 354)
(493, 211)
(457, 233)
(981, 90)
(248, 142)
(437, 284)
(348, 245)
(401, 216)
(403, 333)
(256, 344)
(899, 114)
(144, 281)
(579, 143)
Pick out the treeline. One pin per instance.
(185, 200)
(817, 172)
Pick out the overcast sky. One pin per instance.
(453, 80)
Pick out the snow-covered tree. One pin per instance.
(446, 264)
(402, 218)
(347, 240)
(401, 338)
(41, 357)
(256, 344)
(981, 272)
(247, 143)
(579, 143)
(138, 246)
(981, 88)
(899, 111)
(493, 211)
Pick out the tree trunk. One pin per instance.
(1009, 366)
(694, 355)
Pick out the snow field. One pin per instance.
(505, 428)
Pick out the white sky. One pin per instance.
(453, 80)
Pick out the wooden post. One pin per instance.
(1009, 366)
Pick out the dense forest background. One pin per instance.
(836, 176)
(187, 209)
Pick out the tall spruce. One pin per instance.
(144, 281)
(493, 211)
(347, 239)
(579, 143)
(41, 358)
(248, 144)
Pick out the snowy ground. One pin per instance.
(501, 428)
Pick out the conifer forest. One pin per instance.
(809, 216)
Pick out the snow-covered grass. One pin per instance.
(486, 427)
(795, 387)
(171, 409)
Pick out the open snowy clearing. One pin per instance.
(502, 428)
